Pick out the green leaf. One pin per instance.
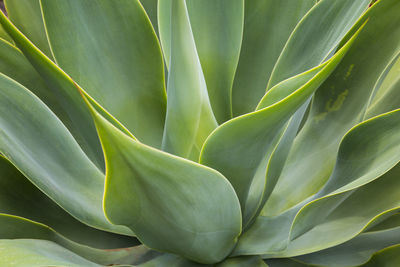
(38, 253)
(355, 252)
(367, 152)
(388, 257)
(267, 26)
(338, 105)
(70, 107)
(26, 15)
(240, 148)
(247, 261)
(17, 228)
(171, 260)
(190, 118)
(120, 62)
(316, 37)
(284, 263)
(344, 207)
(150, 6)
(35, 141)
(170, 203)
(386, 92)
(20, 197)
(217, 28)
(4, 35)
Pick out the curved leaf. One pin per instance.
(27, 16)
(386, 95)
(355, 252)
(21, 198)
(119, 62)
(267, 26)
(70, 107)
(171, 204)
(388, 257)
(247, 261)
(217, 29)
(338, 105)
(190, 118)
(151, 9)
(17, 228)
(240, 148)
(35, 141)
(316, 37)
(38, 253)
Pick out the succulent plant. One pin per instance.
(200, 133)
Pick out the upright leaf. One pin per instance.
(113, 53)
(217, 28)
(27, 16)
(190, 118)
(338, 105)
(316, 37)
(267, 26)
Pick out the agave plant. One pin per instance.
(200, 133)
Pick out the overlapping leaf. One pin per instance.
(337, 106)
(35, 141)
(217, 28)
(190, 118)
(170, 203)
(239, 149)
(125, 77)
(267, 26)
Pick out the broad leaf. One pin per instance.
(35, 141)
(170, 203)
(338, 105)
(267, 26)
(316, 37)
(119, 62)
(240, 148)
(38, 253)
(355, 252)
(69, 106)
(17, 228)
(366, 153)
(18, 196)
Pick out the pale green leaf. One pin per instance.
(240, 148)
(355, 252)
(14, 227)
(338, 105)
(62, 93)
(267, 26)
(38, 253)
(112, 52)
(35, 141)
(26, 15)
(190, 118)
(387, 91)
(171, 204)
(316, 37)
(217, 28)
(20, 197)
